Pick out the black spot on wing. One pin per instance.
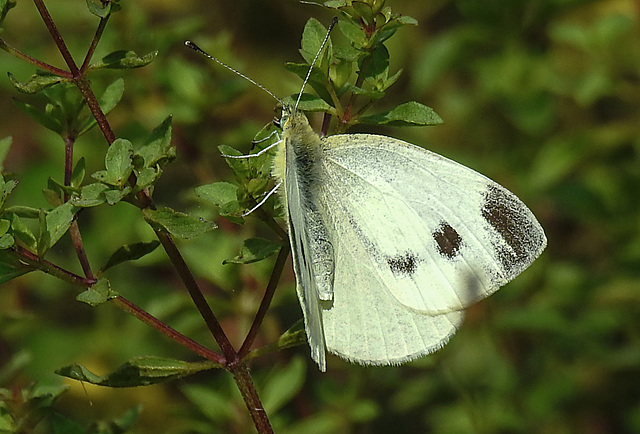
(510, 218)
(403, 264)
(448, 240)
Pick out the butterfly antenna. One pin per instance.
(334, 21)
(197, 49)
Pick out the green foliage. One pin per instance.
(254, 250)
(177, 223)
(98, 293)
(141, 371)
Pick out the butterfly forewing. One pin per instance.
(441, 236)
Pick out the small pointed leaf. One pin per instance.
(36, 82)
(5, 144)
(157, 148)
(176, 223)
(77, 176)
(97, 294)
(140, 371)
(58, 221)
(130, 252)
(410, 113)
(122, 59)
(10, 266)
(219, 193)
(253, 250)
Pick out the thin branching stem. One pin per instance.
(34, 262)
(33, 61)
(57, 37)
(76, 238)
(94, 43)
(152, 321)
(198, 298)
(242, 376)
(230, 358)
(266, 300)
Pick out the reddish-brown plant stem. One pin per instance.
(57, 37)
(33, 61)
(198, 298)
(242, 376)
(76, 238)
(152, 321)
(94, 43)
(37, 263)
(266, 300)
(231, 360)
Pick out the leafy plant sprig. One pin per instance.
(348, 80)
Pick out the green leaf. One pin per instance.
(364, 10)
(4, 226)
(5, 5)
(37, 82)
(219, 193)
(353, 32)
(6, 187)
(115, 196)
(384, 33)
(129, 252)
(44, 238)
(90, 195)
(55, 191)
(104, 9)
(176, 223)
(77, 176)
(58, 221)
(318, 79)
(253, 250)
(24, 211)
(45, 119)
(139, 371)
(10, 266)
(312, 37)
(378, 64)
(118, 161)
(310, 103)
(146, 177)
(122, 59)
(5, 144)
(21, 231)
(6, 241)
(407, 20)
(410, 113)
(157, 148)
(109, 99)
(293, 337)
(97, 294)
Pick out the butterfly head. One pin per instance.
(292, 120)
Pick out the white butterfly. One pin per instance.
(391, 242)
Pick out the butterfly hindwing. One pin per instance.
(391, 242)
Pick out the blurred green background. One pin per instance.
(542, 96)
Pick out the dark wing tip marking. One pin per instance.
(403, 264)
(448, 240)
(515, 224)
